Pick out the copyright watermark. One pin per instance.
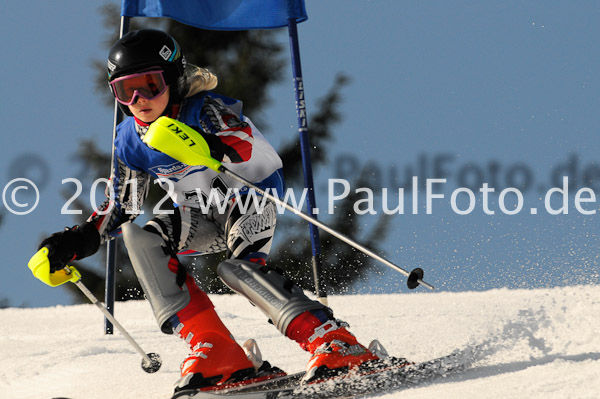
(21, 196)
(469, 174)
(462, 200)
(13, 196)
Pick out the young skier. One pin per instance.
(148, 76)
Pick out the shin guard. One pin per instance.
(275, 295)
(151, 266)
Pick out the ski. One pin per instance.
(258, 390)
(353, 385)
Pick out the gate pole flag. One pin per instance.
(220, 14)
(246, 15)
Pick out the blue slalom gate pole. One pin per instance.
(317, 264)
(111, 246)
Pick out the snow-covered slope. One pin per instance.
(534, 344)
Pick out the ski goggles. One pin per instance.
(148, 85)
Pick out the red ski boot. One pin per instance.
(335, 350)
(216, 359)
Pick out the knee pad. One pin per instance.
(151, 265)
(274, 294)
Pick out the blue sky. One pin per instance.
(503, 91)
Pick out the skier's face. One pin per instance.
(149, 110)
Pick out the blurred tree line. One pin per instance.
(247, 64)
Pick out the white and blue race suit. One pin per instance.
(198, 223)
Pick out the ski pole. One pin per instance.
(40, 267)
(151, 361)
(415, 277)
(187, 145)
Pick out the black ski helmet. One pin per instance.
(144, 49)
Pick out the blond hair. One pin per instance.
(199, 79)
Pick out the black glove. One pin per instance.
(73, 243)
